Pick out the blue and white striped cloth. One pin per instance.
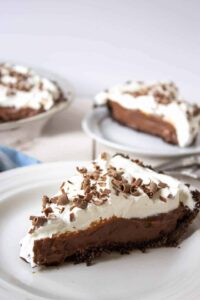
(11, 158)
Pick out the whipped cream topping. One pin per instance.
(153, 194)
(161, 99)
(21, 87)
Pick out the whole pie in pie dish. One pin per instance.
(24, 93)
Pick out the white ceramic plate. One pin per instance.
(16, 132)
(100, 126)
(166, 273)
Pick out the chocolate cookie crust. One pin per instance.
(116, 234)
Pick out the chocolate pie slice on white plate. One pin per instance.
(112, 204)
(155, 108)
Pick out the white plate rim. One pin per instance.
(89, 118)
(5, 286)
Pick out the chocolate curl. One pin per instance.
(162, 185)
(116, 183)
(153, 187)
(38, 221)
(60, 200)
(81, 170)
(45, 200)
(137, 182)
(125, 188)
(95, 175)
(134, 192)
(163, 199)
(81, 203)
(106, 191)
(72, 217)
(104, 155)
(88, 197)
(47, 211)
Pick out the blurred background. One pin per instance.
(95, 44)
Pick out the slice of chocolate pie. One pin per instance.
(112, 204)
(153, 108)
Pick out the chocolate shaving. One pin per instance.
(115, 174)
(153, 187)
(72, 217)
(125, 188)
(85, 184)
(47, 211)
(116, 190)
(45, 200)
(106, 192)
(135, 193)
(81, 170)
(98, 168)
(150, 189)
(188, 185)
(163, 198)
(137, 161)
(62, 199)
(54, 199)
(31, 230)
(137, 182)
(104, 155)
(147, 191)
(88, 197)
(162, 185)
(112, 173)
(133, 180)
(63, 191)
(72, 207)
(87, 189)
(81, 203)
(118, 175)
(162, 99)
(196, 110)
(116, 183)
(38, 221)
(62, 185)
(94, 175)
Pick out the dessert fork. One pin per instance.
(187, 168)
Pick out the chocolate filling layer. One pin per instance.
(116, 234)
(140, 121)
(8, 114)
